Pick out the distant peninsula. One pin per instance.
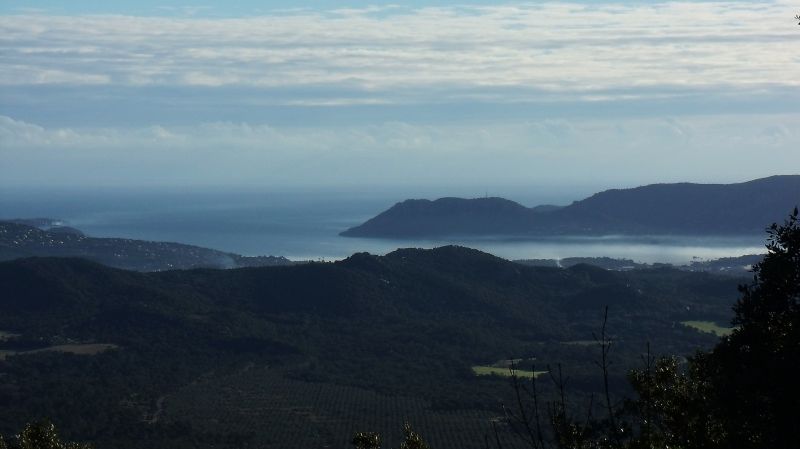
(44, 237)
(656, 209)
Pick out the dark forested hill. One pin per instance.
(447, 216)
(18, 238)
(293, 356)
(682, 209)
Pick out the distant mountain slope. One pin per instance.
(689, 208)
(455, 293)
(21, 240)
(681, 209)
(447, 216)
(740, 266)
(412, 322)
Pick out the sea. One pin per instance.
(304, 223)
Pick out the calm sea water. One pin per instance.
(304, 224)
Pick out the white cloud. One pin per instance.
(574, 49)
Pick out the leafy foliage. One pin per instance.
(372, 440)
(40, 435)
(367, 440)
(670, 409)
(411, 439)
(753, 373)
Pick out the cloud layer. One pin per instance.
(605, 152)
(591, 51)
(548, 92)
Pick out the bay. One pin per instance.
(303, 224)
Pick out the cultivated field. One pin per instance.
(500, 371)
(79, 349)
(709, 327)
(268, 410)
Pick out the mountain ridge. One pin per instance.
(413, 322)
(19, 238)
(677, 208)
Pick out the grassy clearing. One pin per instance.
(499, 371)
(82, 349)
(581, 342)
(7, 335)
(709, 327)
(79, 349)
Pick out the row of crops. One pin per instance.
(273, 411)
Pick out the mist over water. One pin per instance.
(303, 224)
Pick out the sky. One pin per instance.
(369, 93)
